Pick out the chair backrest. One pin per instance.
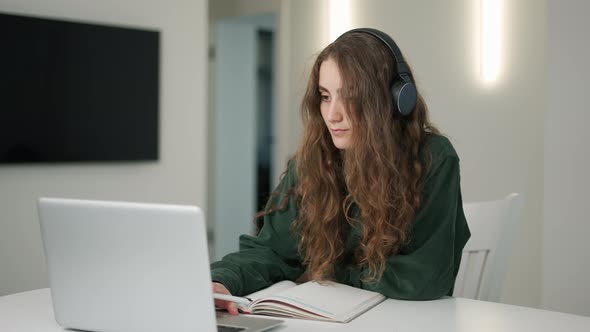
(485, 256)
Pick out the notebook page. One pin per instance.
(341, 302)
(273, 289)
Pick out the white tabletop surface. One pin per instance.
(32, 312)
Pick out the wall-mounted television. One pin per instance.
(77, 91)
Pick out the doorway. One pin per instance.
(241, 130)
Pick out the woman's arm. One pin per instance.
(267, 258)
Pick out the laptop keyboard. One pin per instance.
(221, 328)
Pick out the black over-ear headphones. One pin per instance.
(403, 90)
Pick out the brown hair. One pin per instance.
(381, 172)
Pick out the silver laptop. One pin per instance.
(131, 267)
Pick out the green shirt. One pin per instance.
(425, 268)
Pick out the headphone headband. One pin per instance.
(403, 90)
(388, 41)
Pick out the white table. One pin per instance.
(32, 312)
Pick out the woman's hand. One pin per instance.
(231, 307)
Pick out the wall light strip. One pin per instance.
(339, 18)
(490, 38)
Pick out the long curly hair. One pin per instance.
(381, 172)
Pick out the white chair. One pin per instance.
(485, 256)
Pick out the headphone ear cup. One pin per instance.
(404, 96)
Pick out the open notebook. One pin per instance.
(327, 301)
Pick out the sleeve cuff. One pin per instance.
(229, 279)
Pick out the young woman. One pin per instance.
(372, 196)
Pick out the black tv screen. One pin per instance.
(73, 91)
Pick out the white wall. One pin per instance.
(178, 177)
(298, 44)
(566, 268)
(497, 129)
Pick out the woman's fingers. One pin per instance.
(231, 307)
